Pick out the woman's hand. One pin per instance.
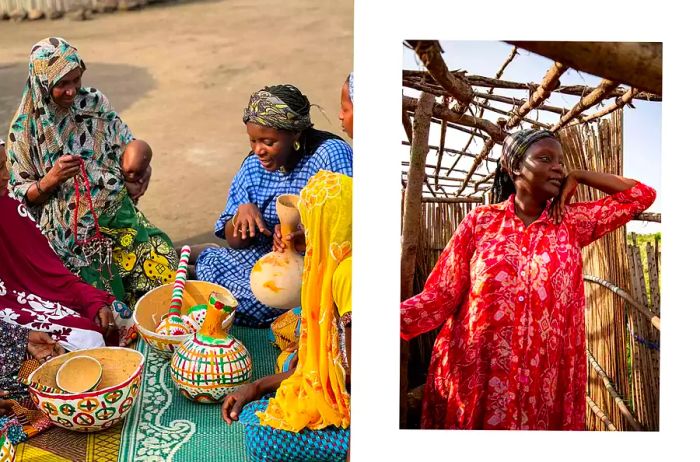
(279, 242)
(234, 402)
(139, 188)
(64, 169)
(5, 406)
(567, 191)
(246, 220)
(105, 321)
(42, 346)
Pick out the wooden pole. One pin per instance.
(411, 221)
(453, 151)
(636, 64)
(549, 82)
(488, 82)
(442, 112)
(619, 102)
(430, 53)
(406, 121)
(452, 200)
(500, 111)
(441, 149)
(488, 145)
(590, 100)
(643, 309)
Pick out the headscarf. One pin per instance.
(269, 110)
(351, 85)
(42, 131)
(516, 144)
(315, 396)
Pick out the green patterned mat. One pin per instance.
(164, 426)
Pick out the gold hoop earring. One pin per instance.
(296, 146)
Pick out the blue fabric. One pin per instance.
(268, 444)
(253, 184)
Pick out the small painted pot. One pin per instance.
(212, 363)
(151, 307)
(93, 410)
(7, 450)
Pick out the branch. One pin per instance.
(549, 82)
(441, 112)
(430, 54)
(590, 100)
(637, 64)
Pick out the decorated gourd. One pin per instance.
(276, 278)
(211, 363)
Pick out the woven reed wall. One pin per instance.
(45, 5)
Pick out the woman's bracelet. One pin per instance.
(38, 187)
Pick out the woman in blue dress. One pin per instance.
(285, 152)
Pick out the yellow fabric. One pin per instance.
(342, 286)
(314, 396)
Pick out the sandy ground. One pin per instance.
(180, 75)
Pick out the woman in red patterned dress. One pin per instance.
(509, 289)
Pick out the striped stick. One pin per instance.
(179, 285)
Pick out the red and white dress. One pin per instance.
(39, 293)
(511, 352)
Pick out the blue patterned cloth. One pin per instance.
(253, 184)
(267, 444)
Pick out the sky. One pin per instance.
(641, 125)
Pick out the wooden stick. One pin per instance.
(613, 392)
(510, 114)
(481, 81)
(649, 216)
(636, 64)
(488, 145)
(520, 102)
(442, 112)
(452, 200)
(430, 53)
(619, 102)
(600, 414)
(406, 121)
(441, 149)
(644, 310)
(590, 100)
(549, 82)
(499, 73)
(405, 164)
(453, 151)
(411, 221)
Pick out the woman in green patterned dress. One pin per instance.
(64, 147)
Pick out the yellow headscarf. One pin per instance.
(315, 396)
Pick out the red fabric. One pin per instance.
(511, 352)
(29, 267)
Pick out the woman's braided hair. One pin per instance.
(292, 97)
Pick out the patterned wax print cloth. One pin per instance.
(267, 444)
(315, 395)
(253, 184)
(511, 353)
(38, 292)
(40, 133)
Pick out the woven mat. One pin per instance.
(59, 445)
(165, 426)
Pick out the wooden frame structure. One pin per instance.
(441, 190)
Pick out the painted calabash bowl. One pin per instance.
(94, 410)
(7, 450)
(154, 304)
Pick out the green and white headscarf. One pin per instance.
(41, 132)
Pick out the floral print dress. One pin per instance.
(511, 352)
